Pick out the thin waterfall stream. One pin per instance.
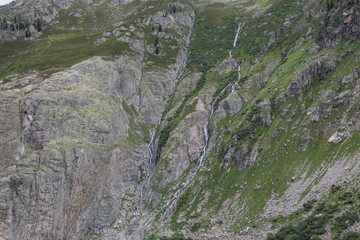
(152, 145)
(174, 198)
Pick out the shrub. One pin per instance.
(195, 227)
(352, 236)
(343, 222)
(308, 205)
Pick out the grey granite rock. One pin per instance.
(318, 70)
(343, 23)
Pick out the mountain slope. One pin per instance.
(174, 120)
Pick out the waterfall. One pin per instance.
(152, 146)
(170, 203)
(236, 38)
(234, 45)
(237, 34)
(173, 199)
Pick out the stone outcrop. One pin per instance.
(226, 65)
(343, 23)
(187, 142)
(316, 71)
(264, 109)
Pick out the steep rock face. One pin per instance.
(230, 105)
(264, 109)
(27, 9)
(76, 149)
(342, 24)
(317, 70)
(76, 145)
(226, 65)
(187, 145)
(10, 131)
(68, 137)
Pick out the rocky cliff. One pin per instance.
(179, 120)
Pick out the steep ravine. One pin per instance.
(168, 207)
(170, 204)
(152, 147)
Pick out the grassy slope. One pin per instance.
(281, 157)
(71, 39)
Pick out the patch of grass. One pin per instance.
(20, 55)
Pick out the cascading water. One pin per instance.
(174, 198)
(236, 37)
(234, 45)
(152, 145)
(237, 34)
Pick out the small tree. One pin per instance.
(174, 9)
(4, 24)
(38, 25)
(157, 50)
(156, 41)
(27, 34)
(160, 28)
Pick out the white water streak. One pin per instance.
(170, 204)
(151, 146)
(174, 198)
(236, 38)
(237, 34)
